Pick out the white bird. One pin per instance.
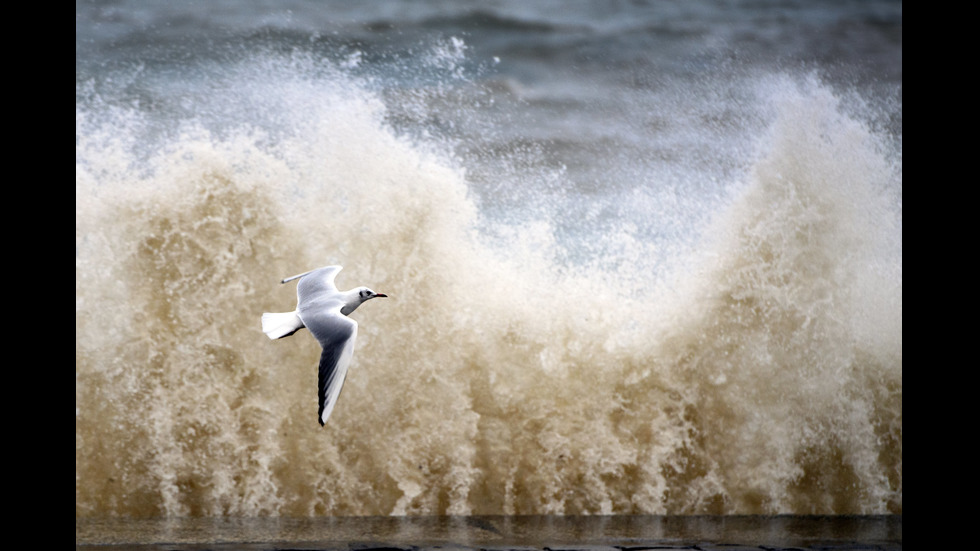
(323, 310)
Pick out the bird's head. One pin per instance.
(366, 294)
(359, 296)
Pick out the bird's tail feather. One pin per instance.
(279, 325)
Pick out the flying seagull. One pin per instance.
(323, 310)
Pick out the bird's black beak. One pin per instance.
(380, 295)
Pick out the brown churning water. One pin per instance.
(763, 376)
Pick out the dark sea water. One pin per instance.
(593, 533)
(643, 258)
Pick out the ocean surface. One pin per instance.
(494, 533)
(643, 258)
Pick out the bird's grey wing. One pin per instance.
(318, 284)
(336, 334)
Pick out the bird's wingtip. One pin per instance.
(336, 268)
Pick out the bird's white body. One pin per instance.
(323, 309)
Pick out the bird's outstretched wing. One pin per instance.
(336, 334)
(318, 285)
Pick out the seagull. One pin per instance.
(323, 310)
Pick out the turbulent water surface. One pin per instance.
(640, 259)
